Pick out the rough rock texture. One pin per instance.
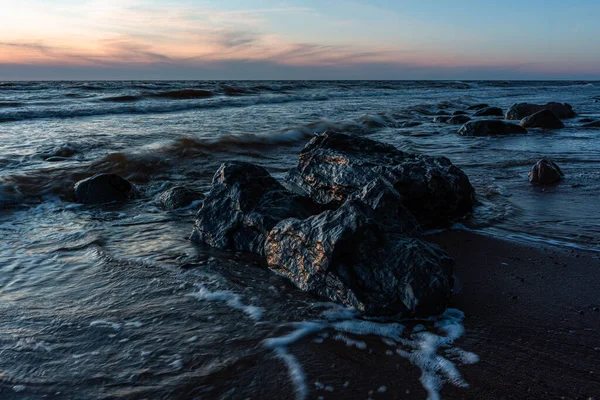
(595, 124)
(103, 188)
(489, 112)
(490, 127)
(346, 256)
(477, 107)
(244, 203)
(459, 120)
(522, 110)
(335, 167)
(545, 172)
(179, 196)
(542, 119)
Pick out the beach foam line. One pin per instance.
(230, 298)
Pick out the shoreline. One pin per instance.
(531, 315)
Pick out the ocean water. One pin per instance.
(114, 302)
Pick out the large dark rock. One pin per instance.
(490, 127)
(244, 203)
(522, 110)
(459, 120)
(335, 167)
(545, 172)
(542, 119)
(489, 112)
(103, 188)
(346, 256)
(595, 124)
(178, 197)
(459, 112)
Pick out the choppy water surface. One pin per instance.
(114, 302)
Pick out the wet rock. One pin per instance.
(335, 167)
(459, 112)
(490, 127)
(477, 107)
(545, 172)
(346, 256)
(522, 110)
(595, 124)
(441, 119)
(489, 112)
(410, 124)
(178, 197)
(244, 203)
(59, 153)
(459, 120)
(103, 188)
(542, 119)
(185, 94)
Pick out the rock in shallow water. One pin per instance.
(490, 127)
(178, 197)
(522, 110)
(489, 112)
(545, 172)
(595, 124)
(542, 119)
(103, 188)
(348, 257)
(335, 167)
(244, 203)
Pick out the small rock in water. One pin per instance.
(178, 197)
(490, 127)
(441, 119)
(545, 172)
(103, 188)
(477, 107)
(489, 112)
(459, 120)
(595, 124)
(459, 112)
(542, 119)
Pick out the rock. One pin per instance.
(459, 120)
(185, 94)
(178, 197)
(441, 119)
(522, 110)
(103, 188)
(335, 167)
(459, 112)
(410, 124)
(490, 127)
(545, 172)
(477, 107)
(489, 112)
(61, 152)
(345, 256)
(586, 120)
(542, 119)
(455, 120)
(595, 124)
(244, 203)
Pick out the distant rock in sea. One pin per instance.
(522, 110)
(477, 107)
(104, 188)
(489, 112)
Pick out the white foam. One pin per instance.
(350, 342)
(18, 388)
(105, 324)
(360, 327)
(232, 299)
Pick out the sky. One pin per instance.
(275, 39)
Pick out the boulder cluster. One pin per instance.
(349, 230)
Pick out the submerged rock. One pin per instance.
(489, 112)
(542, 119)
(244, 203)
(59, 153)
(477, 107)
(545, 172)
(178, 197)
(346, 256)
(490, 127)
(103, 188)
(595, 124)
(335, 167)
(522, 110)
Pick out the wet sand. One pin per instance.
(531, 314)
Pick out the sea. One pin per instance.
(115, 302)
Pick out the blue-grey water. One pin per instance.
(94, 302)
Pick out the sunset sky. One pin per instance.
(333, 39)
